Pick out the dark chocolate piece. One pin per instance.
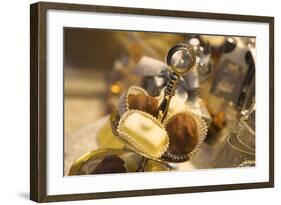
(143, 103)
(110, 164)
(183, 135)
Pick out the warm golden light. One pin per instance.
(115, 88)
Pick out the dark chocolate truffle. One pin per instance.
(143, 103)
(110, 164)
(183, 134)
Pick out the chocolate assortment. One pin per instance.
(167, 121)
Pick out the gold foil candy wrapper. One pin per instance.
(133, 143)
(201, 130)
(123, 103)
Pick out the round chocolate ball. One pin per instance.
(183, 134)
(143, 103)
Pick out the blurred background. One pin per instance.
(101, 64)
(101, 61)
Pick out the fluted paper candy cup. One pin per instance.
(137, 98)
(143, 133)
(123, 104)
(185, 139)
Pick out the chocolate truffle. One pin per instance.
(143, 103)
(183, 134)
(110, 164)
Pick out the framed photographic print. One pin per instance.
(134, 102)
